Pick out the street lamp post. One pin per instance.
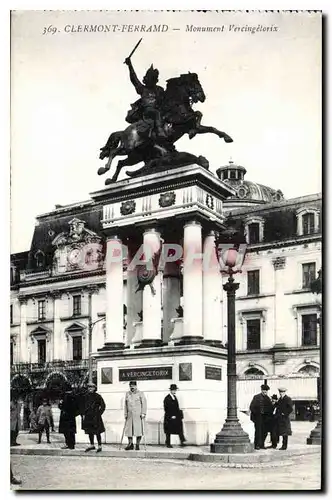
(316, 434)
(90, 329)
(231, 438)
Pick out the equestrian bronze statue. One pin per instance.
(157, 120)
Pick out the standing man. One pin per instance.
(44, 417)
(93, 425)
(173, 417)
(67, 423)
(284, 408)
(261, 411)
(15, 410)
(135, 412)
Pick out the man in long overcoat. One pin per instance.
(134, 412)
(261, 410)
(173, 417)
(284, 408)
(93, 425)
(67, 423)
(15, 410)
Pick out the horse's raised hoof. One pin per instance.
(108, 181)
(102, 170)
(192, 134)
(227, 138)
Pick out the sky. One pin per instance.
(70, 90)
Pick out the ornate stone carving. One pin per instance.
(77, 249)
(243, 191)
(167, 199)
(128, 207)
(279, 263)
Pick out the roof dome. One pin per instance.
(248, 191)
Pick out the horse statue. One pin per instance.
(139, 142)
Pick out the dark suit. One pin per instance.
(173, 419)
(284, 408)
(67, 423)
(261, 410)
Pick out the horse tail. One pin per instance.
(111, 143)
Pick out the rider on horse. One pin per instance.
(147, 107)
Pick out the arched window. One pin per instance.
(309, 370)
(40, 259)
(254, 372)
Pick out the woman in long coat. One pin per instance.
(284, 408)
(173, 417)
(135, 411)
(94, 407)
(67, 423)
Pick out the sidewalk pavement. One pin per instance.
(269, 457)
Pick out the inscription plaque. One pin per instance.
(106, 376)
(212, 372)
(146, 373)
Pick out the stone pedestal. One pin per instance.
(198, 371)
(174, 206)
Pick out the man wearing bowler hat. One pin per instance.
(284, 408)
(173, 417)
(261, 410)
(135, 412)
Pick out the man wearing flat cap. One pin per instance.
(261, 411)
(135, 412)
(284, 408)
(173, 417)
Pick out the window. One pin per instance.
(253, 230)
(308, 223)
(309, 329)
(11, 353)
(232, 174)
(254, 373)
(308, 274)
(225, 175)
(253, 283)
(77, 348)
(76, 305)
(42, 351)
(41, 309)
(253, 334)
(11, 314)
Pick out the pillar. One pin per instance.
(212, 314)
(114, 294)
(58, 339)
(280, 329)
(151, 335)
(192, 284)
(171, 297)
(24, 354)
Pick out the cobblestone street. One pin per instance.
(92, 473)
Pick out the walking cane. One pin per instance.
(143, 429)
(123, 431)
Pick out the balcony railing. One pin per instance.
(50, 366)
